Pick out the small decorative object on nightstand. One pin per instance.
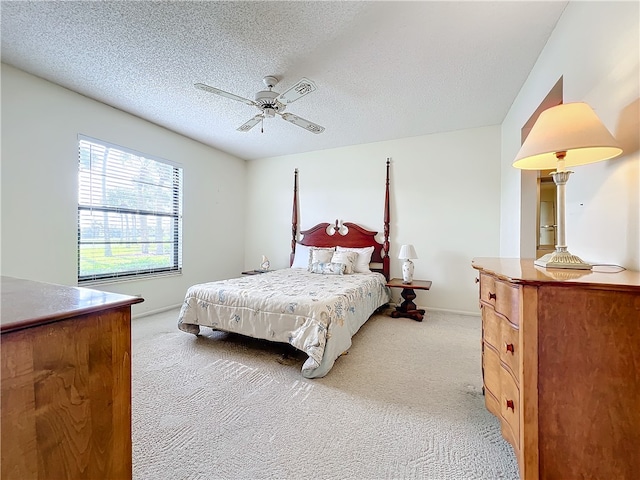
(265, 263)
(408, 308)
(407, 252)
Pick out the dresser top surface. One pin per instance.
(26, 303)
(523, 271)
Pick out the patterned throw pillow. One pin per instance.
(327, 268)
(320, 255)
(348, 258)
(363, 260)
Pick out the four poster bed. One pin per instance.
(337, 280)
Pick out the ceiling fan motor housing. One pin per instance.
(268, 103)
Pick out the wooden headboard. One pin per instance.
(346, 235)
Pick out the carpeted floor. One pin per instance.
(405, 403)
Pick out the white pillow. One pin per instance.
(364, 258)
(347, 258)
(302, 257)
(321, 255)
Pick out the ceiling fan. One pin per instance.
(271, 103)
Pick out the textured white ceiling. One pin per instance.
(384, 70)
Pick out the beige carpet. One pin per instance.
(405, 402)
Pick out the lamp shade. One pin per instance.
(407, 251)
(571, 127)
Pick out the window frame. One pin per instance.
(176, 216)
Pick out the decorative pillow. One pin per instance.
(302, 258)
(327, 268)
(348, 258)
(364, 258)
(321, 255)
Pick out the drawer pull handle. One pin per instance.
(477, 280)
(509, 348)
(511, 406)
(492, 296)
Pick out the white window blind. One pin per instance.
(129, 213)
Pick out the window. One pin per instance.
(129, 213)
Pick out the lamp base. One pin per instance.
(562, 260)
(407, 272)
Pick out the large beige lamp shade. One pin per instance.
(573, 128)
(565, 136)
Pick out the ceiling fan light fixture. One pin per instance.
(267, 101)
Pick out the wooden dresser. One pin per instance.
(561, 367)
(66, 382)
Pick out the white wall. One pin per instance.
(40, 124)
(445, 192)
(595, 48)
(454, 195)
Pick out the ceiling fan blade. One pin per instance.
(301, 122)
(299, 90)
(222, 93)
(250, 124)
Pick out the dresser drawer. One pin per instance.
(502, 296)
(510, 409)
(491, 369)
(509, 348)
(491, 330)
(487, 289)
(492, 403)
(507, 301)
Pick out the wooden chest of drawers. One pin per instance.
(66, 382)
(560, 361)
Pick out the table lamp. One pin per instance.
(566, 135)
(407, 252)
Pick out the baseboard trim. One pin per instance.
(444, 310)
(428, 309)
(157, 310)
(449, 310)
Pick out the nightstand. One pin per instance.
(408, 308)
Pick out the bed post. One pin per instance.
(294, 217)
(385, 244)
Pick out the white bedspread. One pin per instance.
(317, 314)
